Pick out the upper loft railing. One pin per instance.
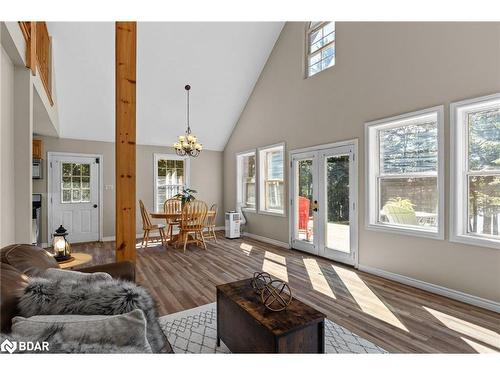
(39, 52)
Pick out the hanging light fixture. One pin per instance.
(188, 144)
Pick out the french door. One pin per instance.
(324, 202)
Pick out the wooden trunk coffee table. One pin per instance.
(246, 326)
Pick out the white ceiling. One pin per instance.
(221, 61)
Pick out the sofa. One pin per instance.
(21, 263)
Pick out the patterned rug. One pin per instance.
(195, 331)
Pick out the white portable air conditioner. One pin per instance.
(232, 224)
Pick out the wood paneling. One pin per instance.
(125, 81)
(397, 317)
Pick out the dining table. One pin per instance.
(172, 217)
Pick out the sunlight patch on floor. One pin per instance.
(275, 265)
(366, 299)
(466, 328)
(478, 347)
(150, 244)
(247, 249)
(318, 280)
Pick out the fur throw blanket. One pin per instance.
(81, 297)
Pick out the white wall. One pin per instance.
(7, 186)
(382, 69)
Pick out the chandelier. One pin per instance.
(188, 143)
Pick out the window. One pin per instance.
(246, 172)
(475, 176)
(75, 185)
(171, 174)
(271, 179)
(320, 42)
(405, 173)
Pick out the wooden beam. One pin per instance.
(125, 67)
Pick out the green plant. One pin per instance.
(401, 203)
(186, 196)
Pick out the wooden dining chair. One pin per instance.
(210, 223)
(148, 227)
(193, 222)
(172, 206)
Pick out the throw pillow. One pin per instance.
(93, 333)
(104, 297)
(61, 274)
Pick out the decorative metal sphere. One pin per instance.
(259, 281)
(276, 295)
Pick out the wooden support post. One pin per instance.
(125, 60)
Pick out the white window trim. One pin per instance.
(309, 30)
(239, 186)
(458, 145)
(161, 156)
(371, 221)
(260, 181)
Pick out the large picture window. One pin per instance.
(171, 174)
(271, 179)
(404, 161)
(475, 145)
(246, 173)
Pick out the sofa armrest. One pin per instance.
(119, 270)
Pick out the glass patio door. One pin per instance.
(304, 201)
(337, 199)
(323, 202)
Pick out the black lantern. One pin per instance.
(62, 249)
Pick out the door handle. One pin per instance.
(95, 205)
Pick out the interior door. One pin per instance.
(324, 202)
(74, 197)
(304, 201)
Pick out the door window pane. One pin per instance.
(305, 224)
(72, 183)
(484, 140)
(409, 201)
(337, 201)
(484, 205)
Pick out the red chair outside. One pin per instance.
(304, 205)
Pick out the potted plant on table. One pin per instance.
(186, 196)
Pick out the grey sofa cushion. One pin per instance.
(97, 333)
(61, 274)
(108, 297)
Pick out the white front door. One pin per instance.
(324, 202)
(74, 196)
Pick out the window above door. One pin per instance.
(320, 47)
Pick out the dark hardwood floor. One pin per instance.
(399, 318)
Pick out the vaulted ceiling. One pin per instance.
(220, 60)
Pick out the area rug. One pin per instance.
(195, 331)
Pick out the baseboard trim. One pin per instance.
(267, 240)
(433, 288)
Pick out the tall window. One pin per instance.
(271, 179)
(476, 171)
(320, 42)
(171, 174)
(246, 171)
(404, 160)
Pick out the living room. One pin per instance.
(251, 187)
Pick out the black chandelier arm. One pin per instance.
(187, 87)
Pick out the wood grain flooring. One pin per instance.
(397, 317)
